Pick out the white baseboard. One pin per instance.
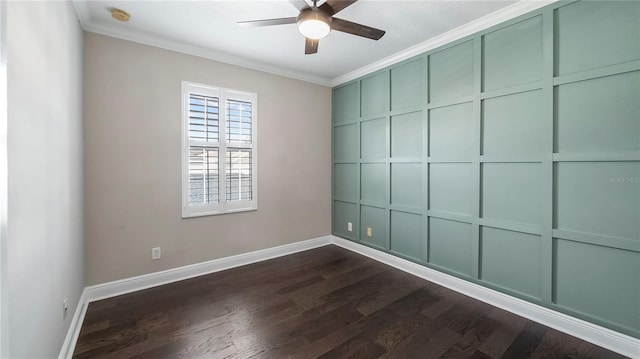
(73, 332)
(606, 338)
(590, 332)
(134, 284)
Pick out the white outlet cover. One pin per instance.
(349, 226)
(156, 253)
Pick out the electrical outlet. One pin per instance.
(369, 232)
(349, 226)
(65, 307)
(156, 253)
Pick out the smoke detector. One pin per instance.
(120, 15)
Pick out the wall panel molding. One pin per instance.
(531, 131)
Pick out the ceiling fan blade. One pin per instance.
(356, 29)
(310, 46)
(299, 4)
(333, 7)
(268, 22)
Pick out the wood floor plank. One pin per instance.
(526, 342)
(556, 345)
(309, 297)
(321, 326)
(510, 326)
(327, 302)
(468, 345)
(354, 349)
(434, 346)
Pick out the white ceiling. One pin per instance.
(209, 29)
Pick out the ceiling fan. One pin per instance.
(315, 22)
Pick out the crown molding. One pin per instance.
(497, 17)
(82, 11)
(510, 12)
(176, 46)
(89, 25)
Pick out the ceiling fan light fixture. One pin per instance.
(314, 24)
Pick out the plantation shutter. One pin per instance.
(219, 152)
(239, 152)
(203, 160)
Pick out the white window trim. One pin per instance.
(222, 207)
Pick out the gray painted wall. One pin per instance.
(4, 310)
(45, 247)
(510, 158)
(133, 161)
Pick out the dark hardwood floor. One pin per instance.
(323, 303)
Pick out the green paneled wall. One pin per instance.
(510, 158)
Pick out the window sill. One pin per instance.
(217, 213)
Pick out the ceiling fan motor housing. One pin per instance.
(315, 22)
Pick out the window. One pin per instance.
(219, 152)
